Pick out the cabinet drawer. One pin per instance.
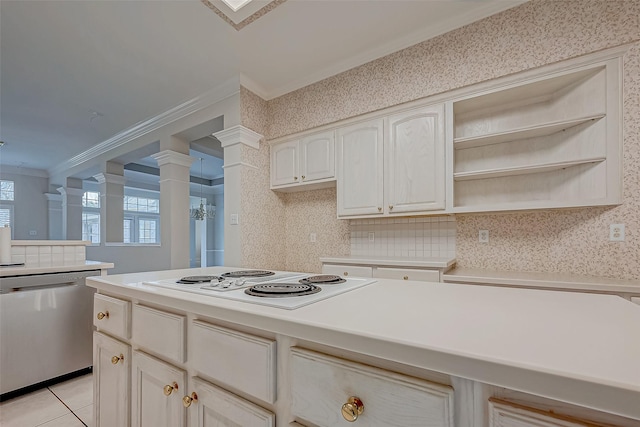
(218, 407)
(507, 414)
(407, 274)
(322, 384)
(159, 332)
(347, 270)
(111, 315)
(239, 360)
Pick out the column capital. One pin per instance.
(110, 178)
(238, 135)
(172, 157)
(70, 191)
(52, 197)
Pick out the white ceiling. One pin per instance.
(74, 73)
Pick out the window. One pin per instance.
(141, 204)
(5, 216)
(141, 220)
(91, 199)
(91, 227)
(7, 191)
(91, 216)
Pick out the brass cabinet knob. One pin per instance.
(406, 277)
(116, 359)
(168, 389)
(295, 178)
(346, 273)
(379, 209)
(102, 315)
(303, 177)
(390, 207)
(352, 409)
(187, 400)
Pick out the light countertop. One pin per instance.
(576, 347)
(49, 268)
(541, 280)
(441, 262)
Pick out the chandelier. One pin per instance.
(203, 211)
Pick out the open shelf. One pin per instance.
(536, 131)
(522, 170)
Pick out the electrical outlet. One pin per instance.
(233, 219)
(312, 237)
(616, 232)
(372, 237)
(483, 236)
(32, 232)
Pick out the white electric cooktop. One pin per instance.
(280, 290)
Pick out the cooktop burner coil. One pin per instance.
(199, 279)
(322, 279)
(280, 290)
(248, 273)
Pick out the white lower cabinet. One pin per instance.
(328, 391)
(508, 414)
(209, 406)
(111, 381)
(157, 389)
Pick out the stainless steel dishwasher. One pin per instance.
(45, 328)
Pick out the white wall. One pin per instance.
(30, 207)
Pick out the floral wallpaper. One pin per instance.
(536, 33)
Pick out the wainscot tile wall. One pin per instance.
(404, 237)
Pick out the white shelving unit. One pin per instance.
(551, 141)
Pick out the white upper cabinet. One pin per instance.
(360, 178)
(414, 170)
(550, 141)
(304, 164)
(393, 165)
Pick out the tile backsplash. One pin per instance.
(404, 237)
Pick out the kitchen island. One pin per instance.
(457, 355)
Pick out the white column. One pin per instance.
(111, 202)
(55, 216)
(72, 209)
(174, 205)
(233, 140)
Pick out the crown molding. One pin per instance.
(219, 93)
(70, 191)
(238, 135)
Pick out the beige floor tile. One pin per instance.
(31, 409)
(64, 421)
(86, 415)
(75, 393)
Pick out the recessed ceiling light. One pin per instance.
(236, 5)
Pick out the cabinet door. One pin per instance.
(157, 390)
(360, 169)
(214, 406)
(317, 157)
(284, 163)
(415, 165)
(111, 381)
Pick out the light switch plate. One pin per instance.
(233, 219)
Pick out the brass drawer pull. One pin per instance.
(187, 400)
(346, 273)
(116, 359)
(352, 409)
(168, 389)
(406, 277)
(102, 315)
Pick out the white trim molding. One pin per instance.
(70, 191)
(238, 135)
(109, 178)
(52, 197)
(221, 92)
(239, 164)
(173, 157)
